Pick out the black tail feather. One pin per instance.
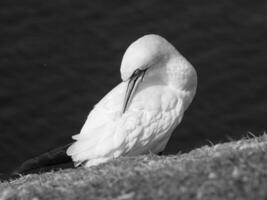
(54, 159)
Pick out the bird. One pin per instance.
(140, 114)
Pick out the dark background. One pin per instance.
(58, 58)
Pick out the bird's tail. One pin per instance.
(54, 159)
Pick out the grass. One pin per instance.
(233, 170)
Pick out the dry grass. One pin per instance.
(234, 170)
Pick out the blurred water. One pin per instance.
(58, 58)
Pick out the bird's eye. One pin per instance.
(137, 72)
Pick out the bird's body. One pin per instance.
(143, 120)
(144, 127)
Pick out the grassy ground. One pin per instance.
(234, 170)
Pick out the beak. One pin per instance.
(133, 83)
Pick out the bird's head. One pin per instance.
(153, 56)
(143, 54)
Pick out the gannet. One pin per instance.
(139, 115)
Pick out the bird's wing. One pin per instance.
(108, 109)
(99, 127)
(107, 133)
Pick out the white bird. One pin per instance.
(139, 115)
(136, 117)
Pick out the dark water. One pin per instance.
(58, 58)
